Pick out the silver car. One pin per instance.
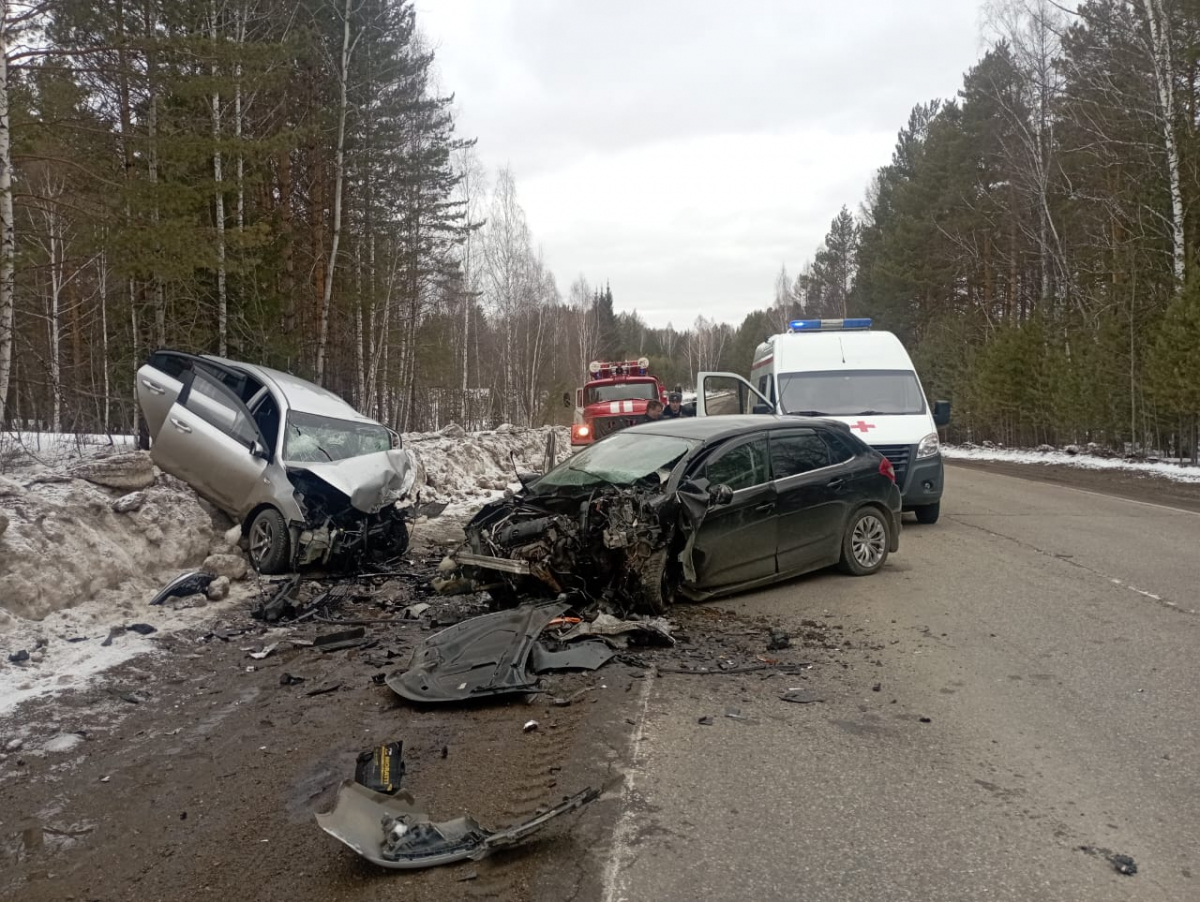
(308, 478)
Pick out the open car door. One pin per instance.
(726, 394)
(211, 441)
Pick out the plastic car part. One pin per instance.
(191, 583)
(479, 657)
(392, 832)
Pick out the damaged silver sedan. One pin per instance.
(309, 479)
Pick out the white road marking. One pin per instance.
(625, 832)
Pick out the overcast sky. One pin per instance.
(684, 149)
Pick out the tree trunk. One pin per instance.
(7, 232)
(1164, 80)
(160, 298)
(218, 195)
(339, 177)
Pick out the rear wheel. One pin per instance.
(928, 513)
(865, 543)
(269, 542)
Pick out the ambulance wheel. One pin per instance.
(929, 513)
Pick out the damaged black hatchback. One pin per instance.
(699, 507)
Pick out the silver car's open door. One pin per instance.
(726, 394)
(210, 441)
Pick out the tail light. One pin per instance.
(886, 469)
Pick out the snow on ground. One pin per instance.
(74, 568)
(1081, 459)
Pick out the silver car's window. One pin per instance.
(213, 402)
(742, 467)
(312, 438)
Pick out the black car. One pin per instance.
(700, 507)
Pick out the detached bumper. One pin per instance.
(924, 482)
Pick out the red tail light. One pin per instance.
(886, 469)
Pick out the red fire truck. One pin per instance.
(615, 396)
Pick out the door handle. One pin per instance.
(180, 425)
(765, 508)
(154, 387)
(837, 484)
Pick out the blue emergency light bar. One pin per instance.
(828, 325)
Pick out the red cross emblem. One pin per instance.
(862, 426)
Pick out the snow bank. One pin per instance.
(1081, 460)
(457, 466)
(35, 450)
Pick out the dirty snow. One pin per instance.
(1082, 460)
(73, 567)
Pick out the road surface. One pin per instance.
(1048, 637)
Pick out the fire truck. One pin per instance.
(615, 396)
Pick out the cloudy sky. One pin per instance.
(684, 149)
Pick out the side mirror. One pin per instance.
(566, 399)
(257, 450)
(941, 413)
(762, 408)
(720, 495)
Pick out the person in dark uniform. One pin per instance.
(654, 413)
(674, 409)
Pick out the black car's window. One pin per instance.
(793, 453)
(216, 404)
(740, 468)
(840, 449)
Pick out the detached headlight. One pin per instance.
(929, 446)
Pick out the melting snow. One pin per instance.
(1082, 460)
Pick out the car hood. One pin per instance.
(371, 482)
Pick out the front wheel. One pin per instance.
(928, 513)
(865, 543)
(656, 583)
(269, 542)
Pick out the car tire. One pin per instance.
(928, 513)
(269, 541)
(865, 542)
(656, 583)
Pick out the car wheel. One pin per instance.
(269, 542)
(865, 544)
(928, 513)
(656, 583)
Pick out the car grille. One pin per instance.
(900, 456)
(602, 426)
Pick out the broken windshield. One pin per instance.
(313, 439)
(849, 393)
(622, 459)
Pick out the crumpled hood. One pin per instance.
(371, 482)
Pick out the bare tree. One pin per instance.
(1164, 81)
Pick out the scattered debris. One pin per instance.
(287, 679)
(530, 726)
(878, 687)
(19, 657)
(1122, 864)
(414, 611)
(193, 582)
(112, 634)
(588, 655)
(351, 638)
(142, 629)
(381, 768)
(778, 640)
(651, 631)
(322, 690)
(392, 832)
(705, 721)
(484, 656)
(265, 652)
(924, 719)
(469, 875)
(801, 696)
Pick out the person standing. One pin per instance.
(674, 409)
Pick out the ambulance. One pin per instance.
(843, 370)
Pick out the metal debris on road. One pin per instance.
(194, 582)
(393, 832)
(801, 697)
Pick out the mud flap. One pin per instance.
(392, 832)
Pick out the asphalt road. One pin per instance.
(1048, 636)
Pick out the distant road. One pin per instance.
(1050, 637)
